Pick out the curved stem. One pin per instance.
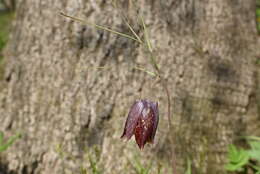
(165, 87)
(163, 83)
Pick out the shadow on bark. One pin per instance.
(4, 169)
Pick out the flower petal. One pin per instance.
(132, 119)
(155, 120)
(144, 130)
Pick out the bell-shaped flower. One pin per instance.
(142, 122)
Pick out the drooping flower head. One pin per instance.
(142, 122)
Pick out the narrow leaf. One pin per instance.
(188, 171)
(252, 138)
(148, 72)
(146, 36)
(254, 152)
(132, 30)
(99, 26)
(10, 141)
(1, 137)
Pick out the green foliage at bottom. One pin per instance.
(5, 145)
(139, 167)
(241, 160)
(188, 170)
(237, 158)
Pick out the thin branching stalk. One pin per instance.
(165, 87)
(155, 65)
(128, 24)
(148, 46)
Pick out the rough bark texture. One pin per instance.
(66, 107)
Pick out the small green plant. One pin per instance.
(93, 160)
(237, 158)
(139, 168)
(241, 159)
(188, 170)
(5, 145)
(91, 157)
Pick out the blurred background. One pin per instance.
(66, 87)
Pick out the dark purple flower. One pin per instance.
(142, 121)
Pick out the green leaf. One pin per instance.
(232, 167)
(147, 40)
(254, 144)
(237, 158)
(256, 167)
(188, 171)
(139, 168)
(232, 152)
(1, 137)
(255, 138)
(10, 141)
(254, 152)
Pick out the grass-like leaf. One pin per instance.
(255, 138)
(147, 40)
(127, 23)
(148, 72)
(93, 165)
(138, 167)
(10, 141)
(1, 137)
(188, 171)
(100, 27)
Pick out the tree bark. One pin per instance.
(71, 112)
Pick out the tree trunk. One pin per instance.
(71, 112)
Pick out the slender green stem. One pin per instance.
(148, 43)
(132, 30)
(148, 72)
(164, 85)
